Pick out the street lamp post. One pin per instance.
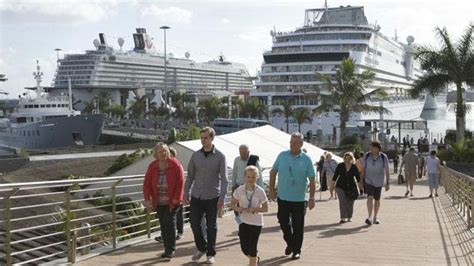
(164, 28)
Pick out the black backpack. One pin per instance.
(253, 159)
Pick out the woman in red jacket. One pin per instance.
(163, 192)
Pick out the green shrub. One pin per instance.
(351, 143)
(462, 151)
(450, 137)
(350, 140)
(190, 133)
(125, 160)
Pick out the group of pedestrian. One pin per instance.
(205, 188)
(416, 166)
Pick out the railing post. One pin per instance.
(70, 247)
(471, 205)
(73, 246)
(8, 226)
(114, 213)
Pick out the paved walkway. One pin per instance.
(413, 231)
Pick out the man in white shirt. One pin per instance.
(238, 171)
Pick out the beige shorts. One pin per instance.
(410, 176)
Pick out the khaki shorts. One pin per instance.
(410, 176)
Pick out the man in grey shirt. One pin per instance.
(207, 181)
(375, 170)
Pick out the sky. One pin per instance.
(30, 30)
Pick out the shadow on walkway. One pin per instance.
(457, 242)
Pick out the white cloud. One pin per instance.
(169, 14)
(225, 20)
(66, 11)
(256, 34)
(19, 74)
(8, 54)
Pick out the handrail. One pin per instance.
(48, 184)
(460, 189)
(38, 212)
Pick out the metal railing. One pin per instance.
(460, 188)
(50, 220)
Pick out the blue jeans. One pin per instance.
(167, 219)
(198, 208)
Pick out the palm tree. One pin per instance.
(137, 107)
(183, 111)
(254, 109)
(452, 63)
(302, 115)
(211, 108)
(102, 99)
(162, 111)
(117, 111)
(348, 93)
(89, 107)
(287, 111)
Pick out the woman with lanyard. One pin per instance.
(250, 201)
(163, 193)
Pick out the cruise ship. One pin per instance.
(328, 36)
(45, 122)
(120, 72)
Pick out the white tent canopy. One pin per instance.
(266, 142)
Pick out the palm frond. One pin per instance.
(431, 82)
(429, 58)
(465, 44)
(443, 35)
(469, 70)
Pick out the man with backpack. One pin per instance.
(375, 171)
(238, 171)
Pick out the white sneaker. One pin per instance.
(210, 260)
(197, 256)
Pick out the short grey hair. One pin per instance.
(244, 146)
(298, 135)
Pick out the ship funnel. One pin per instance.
(142, 41)
(102, 39)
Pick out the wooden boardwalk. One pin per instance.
(413, 231)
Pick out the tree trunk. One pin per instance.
(460, 114)
(287, 124)
(343, 120)
(299, 127)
